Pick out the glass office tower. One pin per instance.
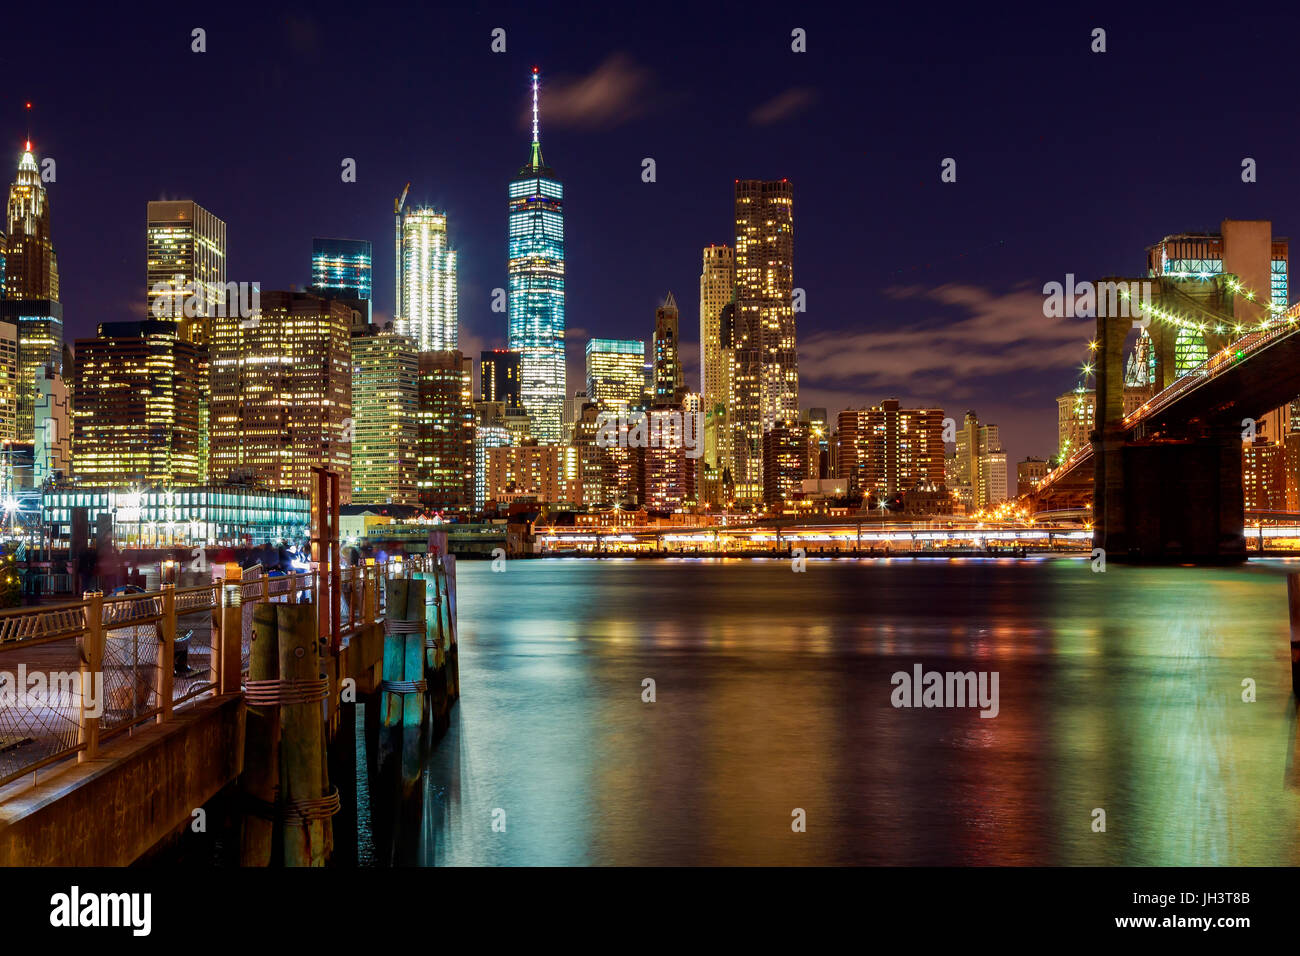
(536, 271)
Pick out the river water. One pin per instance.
(1118, 693)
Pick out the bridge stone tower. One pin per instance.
(1163, 492)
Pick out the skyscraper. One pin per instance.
(981, 464)
(499, 377)
(136, 406)
(717, 286)
(536, 279)
(785, 461)
(185, 262)
(31, 267)
(282, 393)
(385, 412)
(427, 298)
(489, 432)
(31, 287)
(765, 365)
(40, 346)
(8, 383)
(615, 374)
(886, 450)
(668, 383)
(341, 269)
(446, 437)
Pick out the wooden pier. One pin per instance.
(122, 717)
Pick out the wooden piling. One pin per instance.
(230, 632)
(261, 776)
(308, 834)
(397, 798)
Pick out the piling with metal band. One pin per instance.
(261, 774)
(403, 739)
(308, 836)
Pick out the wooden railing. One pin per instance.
(77, 674)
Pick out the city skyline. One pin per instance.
(1032, 207)
(782, 436)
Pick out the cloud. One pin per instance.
(783, 106)
(609, 95)
(1002, 335)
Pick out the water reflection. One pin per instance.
(1119, 691)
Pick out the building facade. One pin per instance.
(281, 393)
(717, 287)
(185, 266)
(886, 450)
(532, 472)
(616, 374)
(1029, 472)
(31, 266)
(981, 464)
(136, 406)
(386, 419)
(52, 436)
(181, 516)
(785, 461)
(447, 425)
(765, 365)
(669, 386)
(536, 286)
(427, 308)
(499, 377)
(343, 269)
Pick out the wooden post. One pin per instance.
(167, 652)
(1293, 603)
(229, 674)
(92, 675)
(354, 593)
(261, 774)
(369, 601)
(307, 842)
(397, 799)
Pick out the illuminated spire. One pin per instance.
(537, 141)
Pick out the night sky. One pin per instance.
(1067, 161)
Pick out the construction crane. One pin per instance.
(398, 203)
